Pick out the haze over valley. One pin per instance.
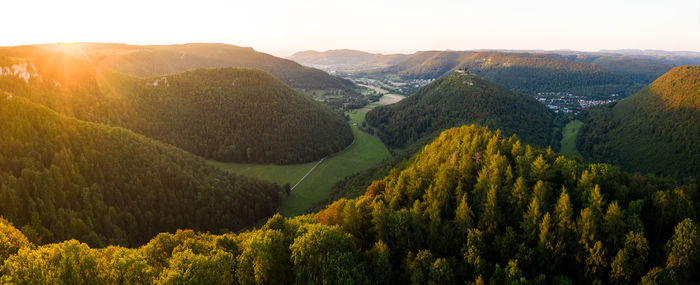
(269, 142)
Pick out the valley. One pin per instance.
(366, 151)
(219, 164)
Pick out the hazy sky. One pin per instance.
(282, 27)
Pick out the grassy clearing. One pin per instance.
(366, 151)
(568, 140)
(280, 174)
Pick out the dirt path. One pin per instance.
(317, 164)
(307, 174)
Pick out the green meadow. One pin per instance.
(366, 151)
(568, 140)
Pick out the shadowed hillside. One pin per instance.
(61, 178)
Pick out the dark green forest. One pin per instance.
(522, 72)
(653, 131)
(460, 99)
(227, 114)
(236, 115)
(61, 178)
(473, 207)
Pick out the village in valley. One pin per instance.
(567, 103)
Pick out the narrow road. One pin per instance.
(307, 174)
(318, 163)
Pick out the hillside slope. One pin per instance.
(460, 99)
(146, 61)
(656, 130)
(523, 72)
(639, 69)
(472, 207)
(62, 178)
(235, 115)
(228, 114)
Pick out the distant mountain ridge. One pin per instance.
(601, 73)
(151, 60)
(147, 61)
(346, 59)
(524, 72)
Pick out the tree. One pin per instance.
(464, 215)
(684, 248)
(473, 252)
(587, 227)
(541, 191)
(614, 225)
(187, 267)
(417, 267)
(563, 214)
(378, 263)
(376, 188)
(546, 236)
(11, 240)
(519, 197)
(596, 260)
(540, 169)
(264, 259)
(660, 276)
(69, 262)
(531, 219)
(352, 222)
(441, 272)
(325, 255)
(629, 262)
(596, 203)
(125, 266)
(491, 214)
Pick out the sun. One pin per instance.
(67, 44)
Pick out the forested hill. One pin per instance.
(472, 208)
(346, 60)
(523, 72)
(148, 61)
(228, 114)
(61, 178)
(655, 130)
(233, 114)
(460, 99)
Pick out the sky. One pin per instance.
(283, 27)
